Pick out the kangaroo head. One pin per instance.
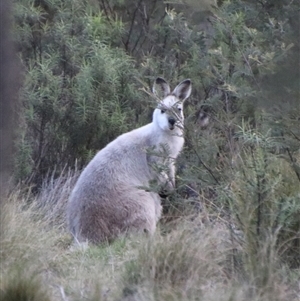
(169, 111)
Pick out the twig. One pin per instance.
(292, 160)
(131, 25)
(62, 292)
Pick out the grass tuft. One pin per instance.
(22, 287)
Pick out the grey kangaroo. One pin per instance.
(107, 199)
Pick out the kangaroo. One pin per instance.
(107, 199)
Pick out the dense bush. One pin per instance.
(78, 91)
(84, 64)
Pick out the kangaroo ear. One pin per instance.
(161, 88)
(183, 90)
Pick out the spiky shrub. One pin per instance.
(264, 201)
(78, 93)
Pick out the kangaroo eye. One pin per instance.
(163, 111)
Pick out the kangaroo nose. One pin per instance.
(172, 120)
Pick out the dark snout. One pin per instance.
(172, 122)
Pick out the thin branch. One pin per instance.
(105, 12)
(131, 25)
(205, 166)
(295, 136)
(259, 196)
(292, 160)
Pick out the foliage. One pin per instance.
(88, 67)
(264, 202)
(81, 59)
(78, 91)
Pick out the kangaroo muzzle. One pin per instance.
(172, 122)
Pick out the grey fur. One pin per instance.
(107, 199)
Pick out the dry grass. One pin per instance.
(189, 262)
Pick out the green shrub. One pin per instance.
(79, 92)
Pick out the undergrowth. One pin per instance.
(198, 256)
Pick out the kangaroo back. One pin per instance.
(107, 199)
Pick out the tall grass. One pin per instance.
(191, 261)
